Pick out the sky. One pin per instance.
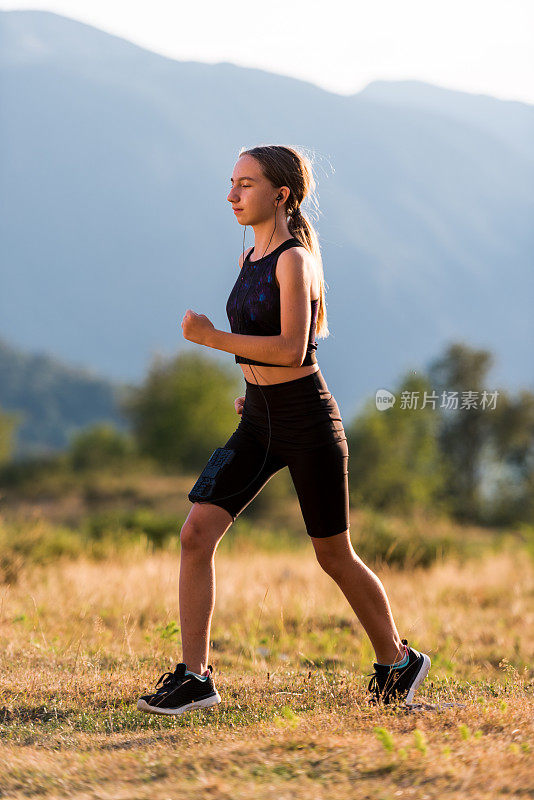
(340, 45)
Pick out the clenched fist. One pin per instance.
(239, 402)
(196, 327)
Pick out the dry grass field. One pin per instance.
(81, 639)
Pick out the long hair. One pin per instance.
(288, 166)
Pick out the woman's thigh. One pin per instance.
(246, 475)
(321, 480)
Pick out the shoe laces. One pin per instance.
(169, 680)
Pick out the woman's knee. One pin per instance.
(332, 552)
(204, 527)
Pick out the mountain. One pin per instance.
(509, 120)
(55, 400)
(115, 169)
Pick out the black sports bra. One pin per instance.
(256, 287)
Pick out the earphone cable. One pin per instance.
(225, 496)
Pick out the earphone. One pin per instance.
(223, 497)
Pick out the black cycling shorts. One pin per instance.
(307, 435)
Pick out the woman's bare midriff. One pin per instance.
(267, 375)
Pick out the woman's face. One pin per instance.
(252, 196)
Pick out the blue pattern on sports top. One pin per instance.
(260, 316)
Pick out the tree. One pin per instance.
(464, 431)
(394, 455)
(100, 445)
(489, 449)
(511, 448)
(9, 423)
(183, 410)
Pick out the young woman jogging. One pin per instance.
(288, 418)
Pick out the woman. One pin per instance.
(289, 418)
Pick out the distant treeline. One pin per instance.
(449, 442)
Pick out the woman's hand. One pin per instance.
(196, 327)
(239, 402)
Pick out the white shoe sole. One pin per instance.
(206, 702)
(421, 675)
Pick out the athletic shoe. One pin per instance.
(393, 684)
(180, 691)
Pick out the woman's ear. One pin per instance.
(282, 195)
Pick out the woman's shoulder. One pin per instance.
(300, 255)
(301, 258)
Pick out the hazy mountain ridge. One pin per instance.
(515, 127)
(425, 217)
(55, 399)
